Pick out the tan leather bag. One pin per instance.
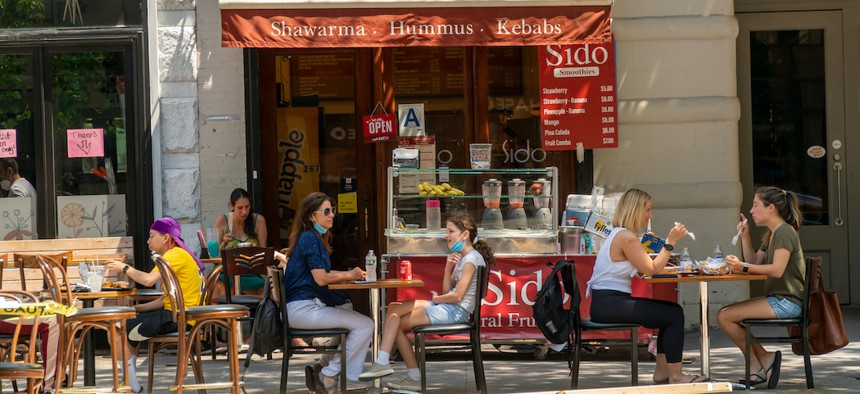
(826, 328)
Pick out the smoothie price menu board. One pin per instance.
(436, 71)
(577, 96)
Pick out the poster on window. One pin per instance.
(577, 96)
(85, 142)
(8, 143)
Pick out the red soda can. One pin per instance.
(406, 270)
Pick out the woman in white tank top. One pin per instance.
(620, 258)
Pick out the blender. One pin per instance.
(517, 218)
(541, 189)
(492, 192)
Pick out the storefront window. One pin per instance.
(71, 13)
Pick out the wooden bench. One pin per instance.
(83, 249)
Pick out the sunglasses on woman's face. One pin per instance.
(328, 211)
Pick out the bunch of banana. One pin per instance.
(426, 189)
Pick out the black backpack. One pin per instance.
(548, 311)
(268, 328)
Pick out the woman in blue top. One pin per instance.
(620, 258)
(454, 305)
(310, 303)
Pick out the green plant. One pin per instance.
(21, 13)
(14, 107)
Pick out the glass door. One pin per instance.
(792, 130)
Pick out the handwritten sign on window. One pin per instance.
(86, 142)
(8, 143)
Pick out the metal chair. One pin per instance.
(580, 325)
(473, 327)
(162, 342)
(112, 319)
(26, 368)
(275, 279)
(813, 276)
(225, 316)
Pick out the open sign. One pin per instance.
(379, 128)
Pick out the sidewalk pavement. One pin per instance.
(508, 371)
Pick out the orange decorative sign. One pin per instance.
(399, 27)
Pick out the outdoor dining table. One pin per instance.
(703, 280)
(88, 301)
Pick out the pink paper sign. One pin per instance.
(8, 143)
(86, 142)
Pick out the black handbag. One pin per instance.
(268, 333)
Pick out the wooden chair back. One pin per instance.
(21, 296)
(246, 260)
(56, 285)
(23, 261)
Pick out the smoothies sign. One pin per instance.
(578, 101)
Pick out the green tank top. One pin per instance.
(237, 241)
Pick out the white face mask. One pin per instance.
(5, 184)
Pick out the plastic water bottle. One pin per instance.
(718, 254)
(686, 263)
(370, 266)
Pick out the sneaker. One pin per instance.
(376, 371)
(406, 383)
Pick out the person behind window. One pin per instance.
(619, 259)
(18, 185)
(155, 318)
(310, 303)
(781, 259)
(454, 305)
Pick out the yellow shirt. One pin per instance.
(187, 273)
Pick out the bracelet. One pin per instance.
(125, 269)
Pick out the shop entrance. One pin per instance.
(311, 141)
(792, 126)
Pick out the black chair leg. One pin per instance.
(343, 363)
(747, 350)
(807, 363)
(634, 357)
(478, 365)
(577, 351)
(419, 352)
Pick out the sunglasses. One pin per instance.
(328, 211)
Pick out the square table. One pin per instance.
(703, 280)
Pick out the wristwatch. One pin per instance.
(746, 267)
(126, 268)
(669, 247)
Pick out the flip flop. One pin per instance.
(757, 378)
(704, 379)
(315, 383)
(773, 380)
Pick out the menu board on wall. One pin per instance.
(325, 75)
(505, 68)
(577, 96)
(435, 71)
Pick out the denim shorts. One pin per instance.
(784, 308)
(446, 313)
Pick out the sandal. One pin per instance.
(773, 379)
(328, 389)
(701, 379)
(756, 378)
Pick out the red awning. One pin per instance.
(397, 27)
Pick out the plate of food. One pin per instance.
(712, 266)
(118, 285)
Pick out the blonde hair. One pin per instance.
(629, 211)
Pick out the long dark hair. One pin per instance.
(302, 221)
(250, 223)
(465, 223)
(786, 203)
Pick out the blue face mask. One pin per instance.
(458, 246)
(319, 228)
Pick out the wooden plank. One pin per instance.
(709, 387)
(36, 245)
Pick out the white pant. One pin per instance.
(312, 314)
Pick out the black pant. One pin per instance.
(610, 306)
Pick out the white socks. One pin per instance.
(132, 374)
(382, 358)
(414, 373)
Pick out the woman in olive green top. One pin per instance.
(781, 259)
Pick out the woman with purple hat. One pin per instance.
(154, 318)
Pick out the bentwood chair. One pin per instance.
(111, 319)
(472, 327)
(225, 316)
(23, 261)
(171, 340)
(580, 325)
(26, 368)
(275, 279)
(237, 262)
(813, 276)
